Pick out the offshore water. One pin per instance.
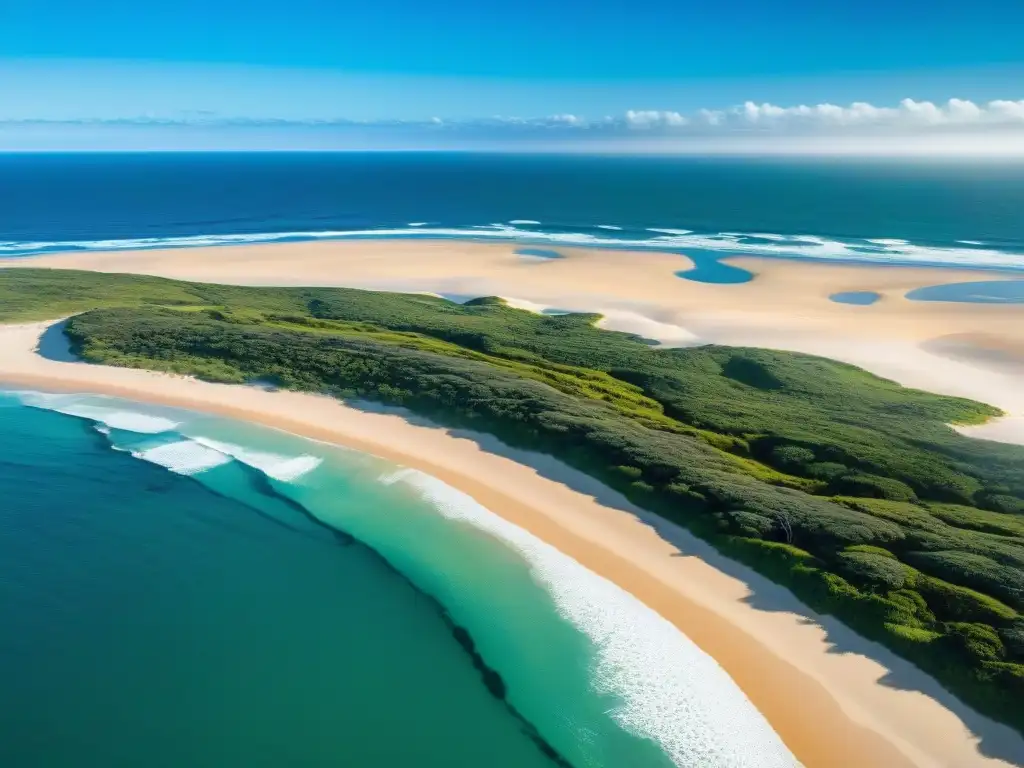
(890, 212)
(179, 589)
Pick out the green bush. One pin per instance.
(826, 470)
(879, 571)
(977, 642)
(863, 484)
(911, 609)
(871, 550)
(1007, 676)
(1013, 638)
(955, 603)
(915, 635)
(792, 458)
(975, 571)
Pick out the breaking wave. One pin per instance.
(664, 688)
(177, 452)
(110, 416)
(960, 253)
(670, 690)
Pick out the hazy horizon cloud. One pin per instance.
(955, 127)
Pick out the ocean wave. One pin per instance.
(961, 253)
(183, 457)
(188, 455)
(287, 469)
(670, 231)
(192, 455)
(524, 221)
(671, 691)
(113, 417)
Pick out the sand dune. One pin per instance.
(785, 307)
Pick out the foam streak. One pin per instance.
(671, 691)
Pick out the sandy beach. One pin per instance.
(835, 699)
(786, 306)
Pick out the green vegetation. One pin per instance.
(847, 488)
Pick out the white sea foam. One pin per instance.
(287, 469)
(416, 224)
(764, 235)
(524, 221)
(114, 417)
(185, 457)
(609, 226)
(887, 241)
(671, 691)
(879, 251)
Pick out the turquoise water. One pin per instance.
(178, 589)
(709, 268)
(982, 292)
(859, 298)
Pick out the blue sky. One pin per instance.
(316, 72)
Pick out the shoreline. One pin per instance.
(819, 689)
(960, 349)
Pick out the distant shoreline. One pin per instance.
(786, 306)
(708, 247)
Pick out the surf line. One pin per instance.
(490, 677)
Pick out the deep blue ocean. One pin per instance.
(964, 213)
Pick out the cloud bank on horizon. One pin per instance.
(956, 126)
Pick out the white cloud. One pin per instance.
(1010, 111)
(650, 118)
(711, 116)
(908, 114)
(954, 127)
(570, 120)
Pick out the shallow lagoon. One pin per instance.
(709, 268)
(981, 292)
(859, 298)
(539, 253)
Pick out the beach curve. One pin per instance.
(781, 657)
